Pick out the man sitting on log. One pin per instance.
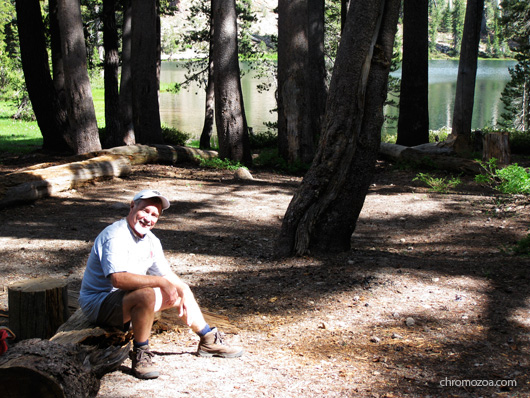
(128, 279)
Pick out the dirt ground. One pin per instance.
(429, 302)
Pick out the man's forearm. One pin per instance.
(129, 281)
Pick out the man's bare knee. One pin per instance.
(144, 298)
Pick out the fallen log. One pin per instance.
(79, 330)
(73, 361)
(43, 368)
(430, 155)
(70, 364)
(41, 181)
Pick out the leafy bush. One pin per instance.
(216, 163)
(267, 139)
(512, 179)
(438, 184)
(173, 136)
(270, 158)
(520, 142)
(439, 135)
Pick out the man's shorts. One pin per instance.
(111, 310)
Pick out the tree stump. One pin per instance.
(497, 145)
(37, 307)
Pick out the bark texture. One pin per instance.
(37, 307)
(144, 57)
(497, 145)
(209, 110)
(301, 78)
(126, 109)
(323, 212)
(42, 368)
(413, 122)
(467, 74)
(81, 114)
(50, 114)
(111, 65)
(230, 119)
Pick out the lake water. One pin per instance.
(185, 110)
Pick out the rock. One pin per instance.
(410, 322)
(242, 174)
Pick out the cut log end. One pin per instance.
(37, 307)
(497, 145)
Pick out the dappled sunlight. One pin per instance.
(427, 291)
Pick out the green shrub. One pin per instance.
(512, 179)
(438, 184)
(216, 163)
(520, 142)
(267, 139)
(271, 159)
(173, 136)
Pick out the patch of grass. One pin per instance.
(17, 136)
(438, 184)
(223, 164)
(98, 96)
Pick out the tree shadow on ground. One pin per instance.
(477, 331)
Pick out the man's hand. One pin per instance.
(183, 292)
(170, 294)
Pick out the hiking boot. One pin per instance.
(142, 365)
(212, 345)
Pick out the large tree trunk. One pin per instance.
(209, 111)
(413, 122)
(344, 4)
(51, 117)
(111, 65)
(61, 111)
(81, 113)
(144, 57)
(465, 82)
(126, 110)
(323, 212)
(230, 119)
(316, 67)
(301, 74)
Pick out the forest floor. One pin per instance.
(429, 302)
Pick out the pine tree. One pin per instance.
(516, 95)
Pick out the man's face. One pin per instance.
(144, 215)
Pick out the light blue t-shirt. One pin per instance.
(118, 249)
